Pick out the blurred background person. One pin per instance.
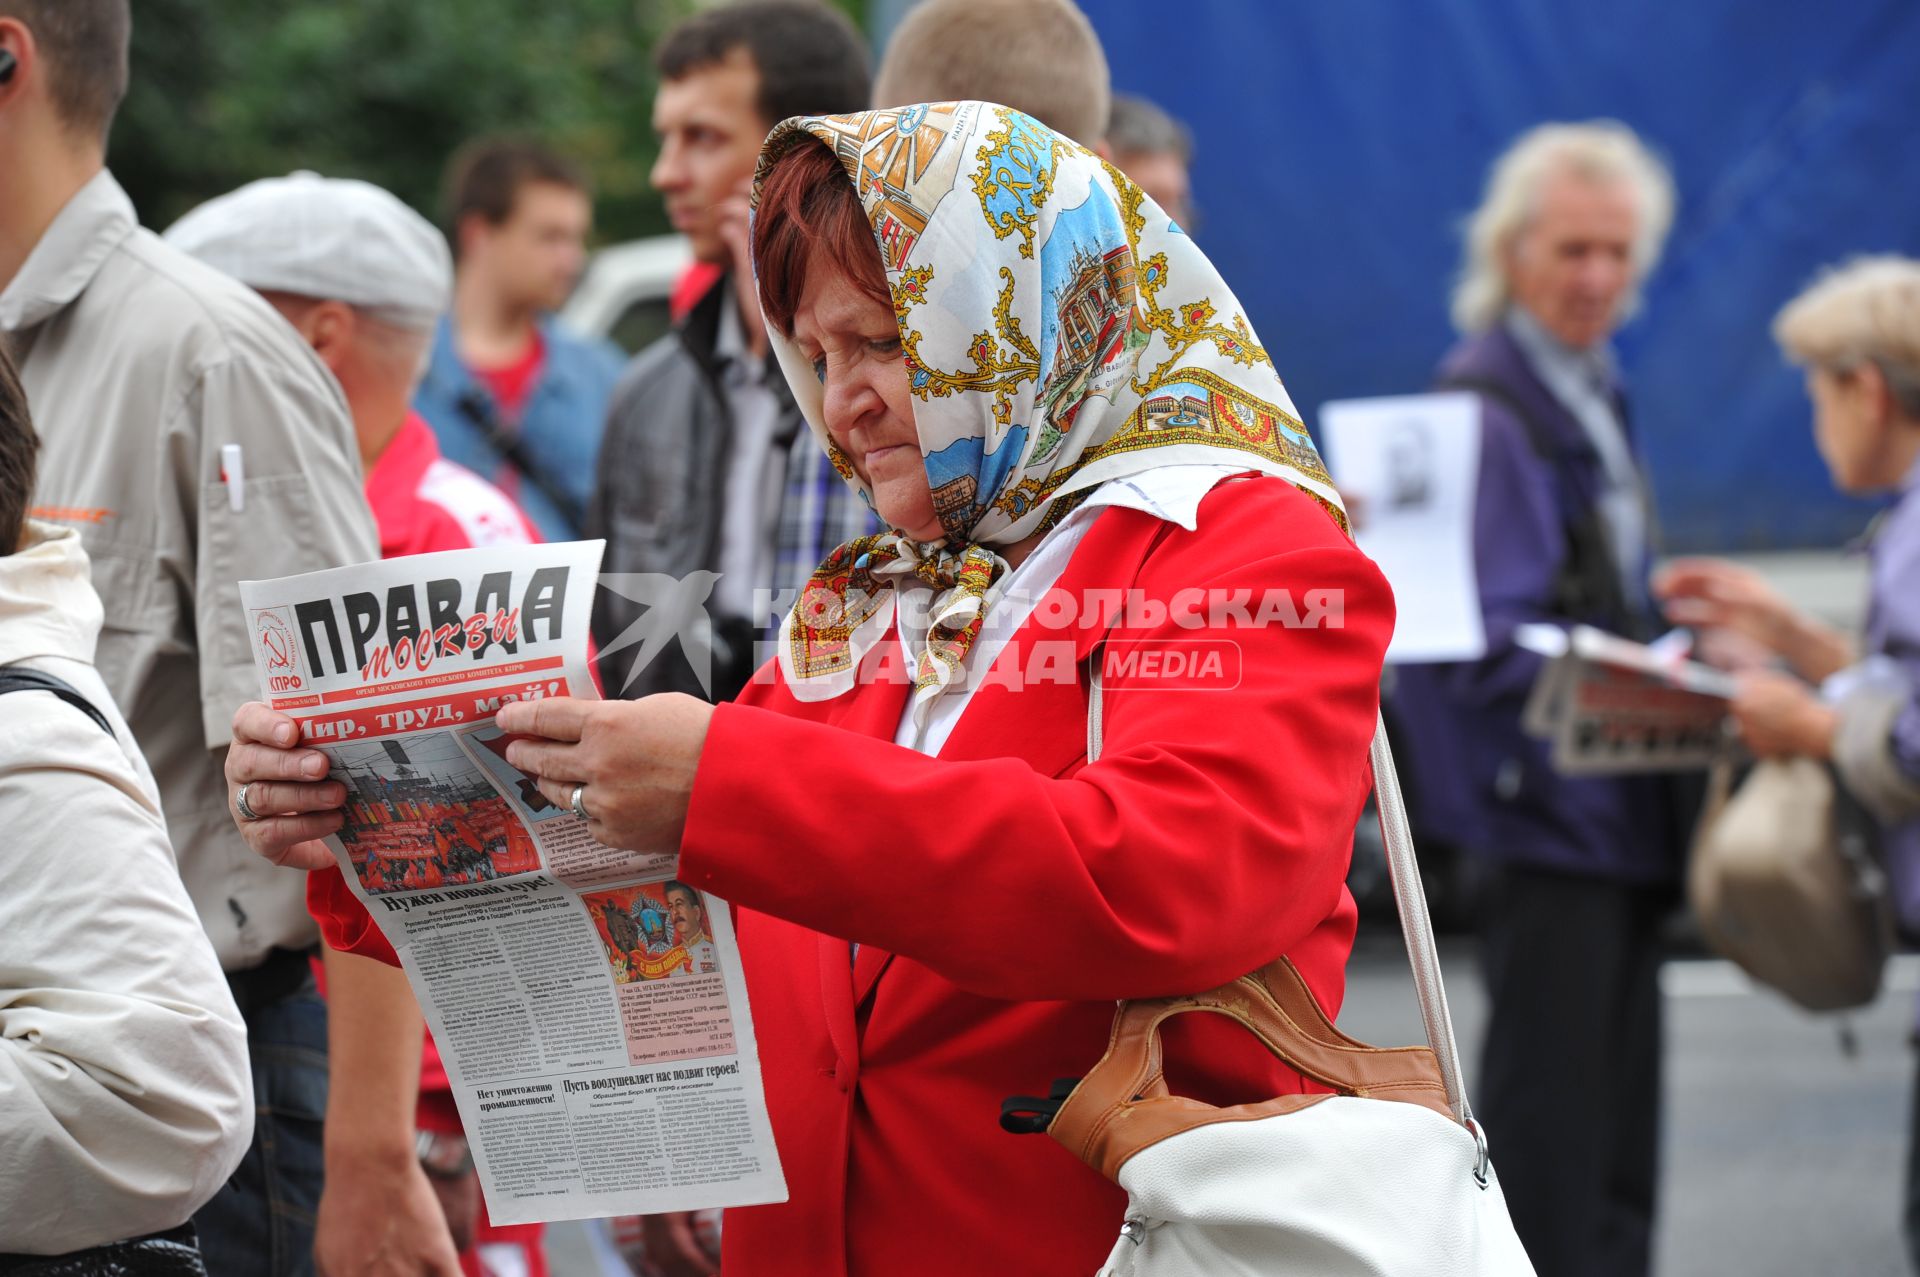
(1156, 151)
(1856, 332)
(194, 441)
(125, 1099)
(365, 280)
(1580, 873)
(707, 464)
(1037, 56)
(510, 393)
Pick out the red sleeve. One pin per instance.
(344, 921)
(1213, 834)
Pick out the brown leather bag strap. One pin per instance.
(1123, 1106)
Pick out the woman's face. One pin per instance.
(1850, 429)
(853, 343)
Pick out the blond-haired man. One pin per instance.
(1580, 872)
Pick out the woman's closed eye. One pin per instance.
(884, 347)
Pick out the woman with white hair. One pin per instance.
(1856, 331)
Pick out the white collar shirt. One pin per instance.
(1172, 493)
(1583, 382)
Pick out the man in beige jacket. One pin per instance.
(192, 440)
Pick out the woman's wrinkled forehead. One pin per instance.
(834, 310)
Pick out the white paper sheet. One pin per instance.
(1409, 466)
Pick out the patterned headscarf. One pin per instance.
(1059, 331)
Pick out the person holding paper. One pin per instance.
(1580, 872)
(1856, 331)
(938, 897)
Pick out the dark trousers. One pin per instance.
(260, 1223)
(1570, 1080)
(1910, 1216)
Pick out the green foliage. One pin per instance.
(225, 91)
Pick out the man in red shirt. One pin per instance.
(508, 391)
(364, 279)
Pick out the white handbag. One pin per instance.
(1388, 1177)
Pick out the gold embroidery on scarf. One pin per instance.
(1188, 325)
(1229, 418)
(999, 366)
(1012, 164)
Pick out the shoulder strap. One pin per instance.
(1538, 435)
(1409, 896)
(477, 408)
(1588, 585)
(1313, 1046)
(13, 679)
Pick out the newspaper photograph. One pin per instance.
(1615, 707)
(589, 1006)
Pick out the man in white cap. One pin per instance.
(364, 279)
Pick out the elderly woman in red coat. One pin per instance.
(1082, 454)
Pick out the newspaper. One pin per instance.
(1615, 707)
(590, 1009)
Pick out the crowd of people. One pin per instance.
(306, 373)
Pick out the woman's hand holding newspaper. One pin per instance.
(632, 762)
(288, 804)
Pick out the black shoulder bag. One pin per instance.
(1588, 585)
(512, 449)
(14, 679)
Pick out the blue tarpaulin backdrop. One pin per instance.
(1342, 143)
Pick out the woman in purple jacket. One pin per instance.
(1856, 331)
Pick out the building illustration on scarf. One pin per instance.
(1096, 342)
(965, 477)
(1094, 307)
(901, 158)
(1187, 406)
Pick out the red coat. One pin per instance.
(1005, 893)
